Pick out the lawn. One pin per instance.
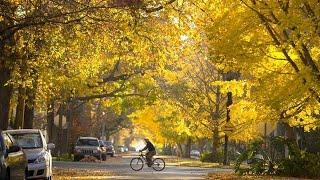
(191, 162)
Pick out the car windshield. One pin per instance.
(108, 143)
(87, 142)
(28, 140)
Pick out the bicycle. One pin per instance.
(137, 163)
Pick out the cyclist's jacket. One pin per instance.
(149, 146)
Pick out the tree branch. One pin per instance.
(160, 7)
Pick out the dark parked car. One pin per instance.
(87, 146)
(109, 148)
(13, 161)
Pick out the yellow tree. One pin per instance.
(166, 123)
(18, 18)
(273, 44)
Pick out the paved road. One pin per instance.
(120, 167)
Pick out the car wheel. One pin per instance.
(112, 155)
(7, 176)
(104, 157)
(75, 158)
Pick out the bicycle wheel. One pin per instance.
(136, 164)
(158, 164)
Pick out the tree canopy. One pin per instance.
(164, 63)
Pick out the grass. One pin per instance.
(63, 157)
(189, 162)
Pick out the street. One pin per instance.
(120, 168)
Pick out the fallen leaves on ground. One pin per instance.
(89, 159)
(65, 174)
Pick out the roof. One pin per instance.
(22, 131)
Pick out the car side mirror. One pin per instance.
(51, 146)
(13, 149)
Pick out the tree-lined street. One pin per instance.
(226, 81)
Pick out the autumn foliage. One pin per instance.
(164, 64)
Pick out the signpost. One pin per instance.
(228, 128)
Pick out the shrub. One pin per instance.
(65, 157)
(300, 164)
(210, 157)
(259, 162)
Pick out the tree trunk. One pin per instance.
(187, 150)
(201, 144)
(29, 110)
(215, 116)
(179, 150)
(60, 132)
(50, 120)
(5, 95)
(70, 133)
(18, 124)
(28, 117)
(215, 141)
(289, 135)
(11, 116)
(30, 103)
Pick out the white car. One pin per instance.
(195, 153)
(37, 151)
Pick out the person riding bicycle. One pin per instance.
(151, 151)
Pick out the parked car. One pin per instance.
(37, 150)
(13, 161)
(87, 146)
(133, 149)
(103, 150)
(109, 148)
(120, 149)
(195, 153)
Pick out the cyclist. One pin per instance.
(151, 151)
